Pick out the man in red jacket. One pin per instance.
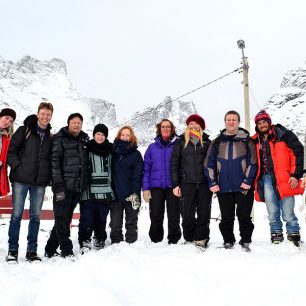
(280, 167)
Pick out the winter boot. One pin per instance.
(295, 238)
(277, 238)
(201, 244)
(32, 256)
(245, 246)
(12, 257)
(98, 244)
(85, 246)
(228, 245)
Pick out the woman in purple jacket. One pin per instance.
(157, 185)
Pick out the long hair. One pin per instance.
(187, 136)
(133, 138)
(158, 128)
(9, 131)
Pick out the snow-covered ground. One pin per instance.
(159, 274)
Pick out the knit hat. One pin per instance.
(263, 115)
(100, 128)
(8, 112)
(73, 116)
(198, 119)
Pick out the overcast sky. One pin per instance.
(133, 53)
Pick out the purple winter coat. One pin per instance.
(157, 165)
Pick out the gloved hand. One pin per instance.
(147, 196)
(134, 199)
(59, 194)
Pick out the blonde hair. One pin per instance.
(9, 131)
(187, 136)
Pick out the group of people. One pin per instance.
(178, 174)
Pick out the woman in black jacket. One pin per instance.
(189, 182)
(127, 180)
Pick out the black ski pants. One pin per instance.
(93, 217)
(196, 200)
(160, 199)
(60, 233)
(227, 204)
(117, 211)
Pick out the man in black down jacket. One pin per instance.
(69, 179)
(29, 159)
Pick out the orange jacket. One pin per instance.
(286, 158)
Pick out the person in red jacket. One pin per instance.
(7, 118)
(280, 167)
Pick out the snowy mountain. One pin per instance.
(24, 84)
(288, 106)
(144, 122)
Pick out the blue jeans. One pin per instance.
(19, 193)
(277, 208)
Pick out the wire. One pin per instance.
(259, 107)
(184, 95)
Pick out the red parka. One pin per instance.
(286, 161)
(4, 183)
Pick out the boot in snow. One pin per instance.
(295, 238)
(277, 238)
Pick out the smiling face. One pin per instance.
(6, 121)
(192, 125)
(125, 135)
(232, 124)
(99, 137)
(263, 126)
(75, 126)
(165, 129)
(44, 117)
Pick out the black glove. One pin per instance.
(59, 194)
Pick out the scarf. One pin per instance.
(195, 136)
(124, 147)
(100, 149)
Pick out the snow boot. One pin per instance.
(50, 255)
(85, 246)
(277, 238)
(245, 246)
(32, 256)
(228, 245)
(98, 244)
(201, 244)
(295, 238)
(12, 257)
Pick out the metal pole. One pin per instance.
(245, 72)
(246, 92)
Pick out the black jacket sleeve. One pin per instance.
(57, 158)
(175, 164)
(15, 148)
(297, 148)
(137, 176)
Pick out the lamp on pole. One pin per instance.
(245, 71)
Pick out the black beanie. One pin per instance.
(73, 116)
(8, 112)
(100, 128)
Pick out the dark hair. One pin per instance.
(71, 116)
(158, 127)
(232, 112)
(45, 105)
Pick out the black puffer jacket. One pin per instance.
(28, 158)
(187, 163)
(69, 161)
